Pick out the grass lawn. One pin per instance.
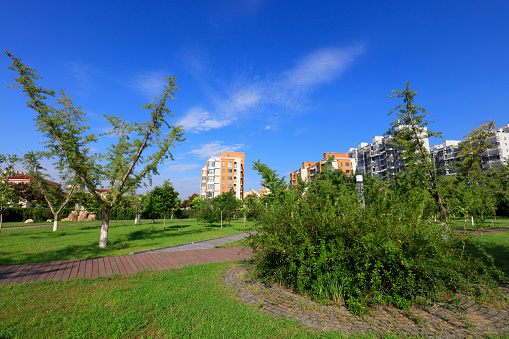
(79, 241)
(190, 302)
(488, 223)
(497, 245)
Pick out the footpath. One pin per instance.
(196, 253)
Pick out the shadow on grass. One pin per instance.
(498, 250)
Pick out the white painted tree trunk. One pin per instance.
(103, 240)
(472, 219)
(221, 219)
(55, 225)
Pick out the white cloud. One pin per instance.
(196, 119)
(150, 83)
(247, 97)
(83, 73)
(180, 168)
(321, 67)
(214, 149)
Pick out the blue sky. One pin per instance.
(282, 81)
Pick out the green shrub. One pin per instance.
(323, 244)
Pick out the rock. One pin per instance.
(28, 221)
(49, 220)
(92, 216)
(72, 217)
(83, 216)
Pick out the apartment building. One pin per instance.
(309, 170)
(380, 158)
(223, 173)
(445, 156)
(498, 154)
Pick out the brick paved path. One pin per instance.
(467, 319)
(125, 264)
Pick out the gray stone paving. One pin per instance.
(467, 319)
(199, 245)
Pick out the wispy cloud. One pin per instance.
(197, 119)
(321, 67)
(287, 92)
(180, 168)
(82, 73)
(149, 83)
(214, 148)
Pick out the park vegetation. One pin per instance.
(390, 243)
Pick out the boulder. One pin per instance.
(49, 220)
(92, 216)
(28, 221)
(72, 217)
(83, 216)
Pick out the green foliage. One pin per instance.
(7, 195)
(410, 132)
(209, 213)
(163, 199)
(227, 204)
(271, 180)
(321, 243)
(139, 149)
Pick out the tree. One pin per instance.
(187, 203)
(126, 163)
(409, 132)
(138, 203)
(227, 204)
(7, 196)
(478, 195)
(52, 193)
(164, 199)
(208, 213)
(271, 180)
(29, 193)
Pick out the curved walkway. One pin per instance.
(467, 319)
(157, 260)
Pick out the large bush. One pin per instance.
(324, 244)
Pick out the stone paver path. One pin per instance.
(440, 320)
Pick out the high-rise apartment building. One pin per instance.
(498, 153)
(445, 157)
(309, 170)
(223, 173)
(380, 158)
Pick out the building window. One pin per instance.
(211, 172)
(229, 178)
(229, 164)
(203, 178)
(222, 186)
(229, 186)
(210, 179)
(211, 164)
(223, 163)
(210, 187)
(229, 171)
(347, 164)
(223, 170)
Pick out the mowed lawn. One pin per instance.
(190, 302)
(80, 241)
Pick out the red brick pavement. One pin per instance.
(125, 264)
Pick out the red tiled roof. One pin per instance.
(29, 177)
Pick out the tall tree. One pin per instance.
(52, 193)
(270, 180)
(7, 196)
(410, 132)
(126, 163)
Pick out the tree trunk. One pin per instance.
(1, 221)
(244, 221)
(103, 241)
(181, 223)
(221, 219)
(137, 218)
(55, 222)
(164, 224)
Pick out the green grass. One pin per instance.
(191, 302)
(488, 223)
(497, 245)
(79, 241)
